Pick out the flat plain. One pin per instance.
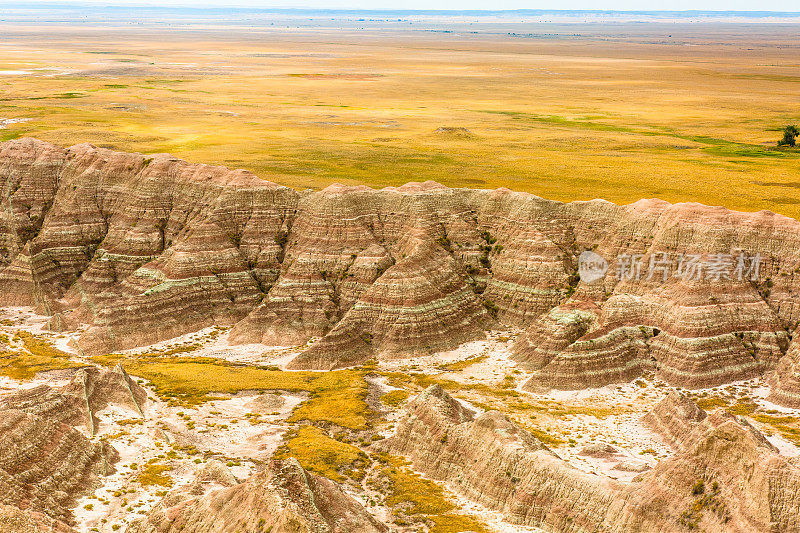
(682, 112)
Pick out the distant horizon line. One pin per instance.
(33, 4)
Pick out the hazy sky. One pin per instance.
(641, 5)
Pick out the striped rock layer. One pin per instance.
(282, 498)
(15, 520)
(144, 248)
(674, 418)
(46, 465)
(785, 379)
(747, 485)
(696, 334)
(75, 404)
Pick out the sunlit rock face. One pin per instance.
(746, 484)
(144, 248)
(283, 497)
(45, 465)
(46, 460)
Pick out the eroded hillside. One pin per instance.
(190, 348)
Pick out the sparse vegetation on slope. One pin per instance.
(35, 355)
(337, 397)
(319, 453)
(415, 498)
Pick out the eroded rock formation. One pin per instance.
(282, 498)
(724, 475)
(674, 417)
(494, 462)
(15, 520)
(45, 465)
(143, 248)
(785, 380)
(90, 391)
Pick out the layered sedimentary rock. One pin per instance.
(494, 462)
(282, 498)
(566, 348)
(554, 332)
(705, 327)
(693, 334)
(90, 391)
(420, 305)
(674, 417)
(785, 379)
(45, 465)
(724, 476)
(376, 273)
(142, 248)
(15, 520)
(29, 181)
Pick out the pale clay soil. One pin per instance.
(221, 431)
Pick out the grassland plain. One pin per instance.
(683, 112)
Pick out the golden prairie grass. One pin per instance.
(421, 498)
(395, 397)
(336, 397)
(712, 402)
(743, 407)
(425, 380)
(545, 437)
(319, 453)
(787, 426)
(154, 474)
(458, 366)
(620, 118)
(37, 355)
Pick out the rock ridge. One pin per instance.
(142, 248)
(724, 477)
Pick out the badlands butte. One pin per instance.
(191, 348)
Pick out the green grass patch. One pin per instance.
(715, 146)
(744, 150)
(558, 120)
(9, 135)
